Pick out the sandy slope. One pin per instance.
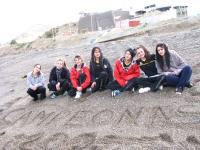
(161, 120)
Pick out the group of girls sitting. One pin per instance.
(147, 72)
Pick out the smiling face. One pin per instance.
(59, 64)
(161, 51)
(140, 53)
(128, 56)
(36, 69)
(78, 61)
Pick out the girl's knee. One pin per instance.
(103, 74)
(187, 68)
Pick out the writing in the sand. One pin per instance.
(62, 140)
(134, 116)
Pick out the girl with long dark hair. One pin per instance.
(100, 70)
(172, 65)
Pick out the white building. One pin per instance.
(152, 14)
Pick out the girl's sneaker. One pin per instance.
(115, 93)
(144, 90)
(65, 93)
(53, 96)
(179, 90)
(78, 94)
(160, 87)
(189, 85)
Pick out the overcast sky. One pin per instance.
(17, 16)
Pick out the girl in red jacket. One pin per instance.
(126, 73)
(80, 77)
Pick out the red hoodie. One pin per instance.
(122, 75)
(74, 74)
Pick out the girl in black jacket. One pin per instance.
(59, 79)
(152, 81)
(100, 70)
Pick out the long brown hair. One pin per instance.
(39, 73)
(146, 52)
(78, 57)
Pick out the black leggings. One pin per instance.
(133, 83)
(101, 82)
(64, 86)
(152, 82)
(81, 79)
(40, 90)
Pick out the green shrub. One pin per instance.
(51, 33)
(48, 34)
(13, 42)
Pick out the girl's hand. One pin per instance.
(34, 88)
(58, 86)
(79, 88)
(93, 85)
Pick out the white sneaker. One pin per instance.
(115, 93)
(133, 90)
(53, 96)
(78, 94)
(65, 93)
(144, 90)
(160, 87)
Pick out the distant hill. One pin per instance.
(32, 33)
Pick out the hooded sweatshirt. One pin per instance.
(122, 74)
(75, 73)
(176, 64)
(104, 65)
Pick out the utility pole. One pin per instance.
(91, 22)
(53, 33)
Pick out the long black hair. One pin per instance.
(160, 59)
(93, 59)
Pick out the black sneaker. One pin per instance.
(179, 90)
(189, 85)
(42, 96)
(35, 98)
(102, 89)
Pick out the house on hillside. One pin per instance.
(181, 11)
(101, 21)
(152, 14)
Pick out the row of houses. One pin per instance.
(123, 19)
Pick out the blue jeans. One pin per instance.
(182, 79)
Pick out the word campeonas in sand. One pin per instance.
(157, 116)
